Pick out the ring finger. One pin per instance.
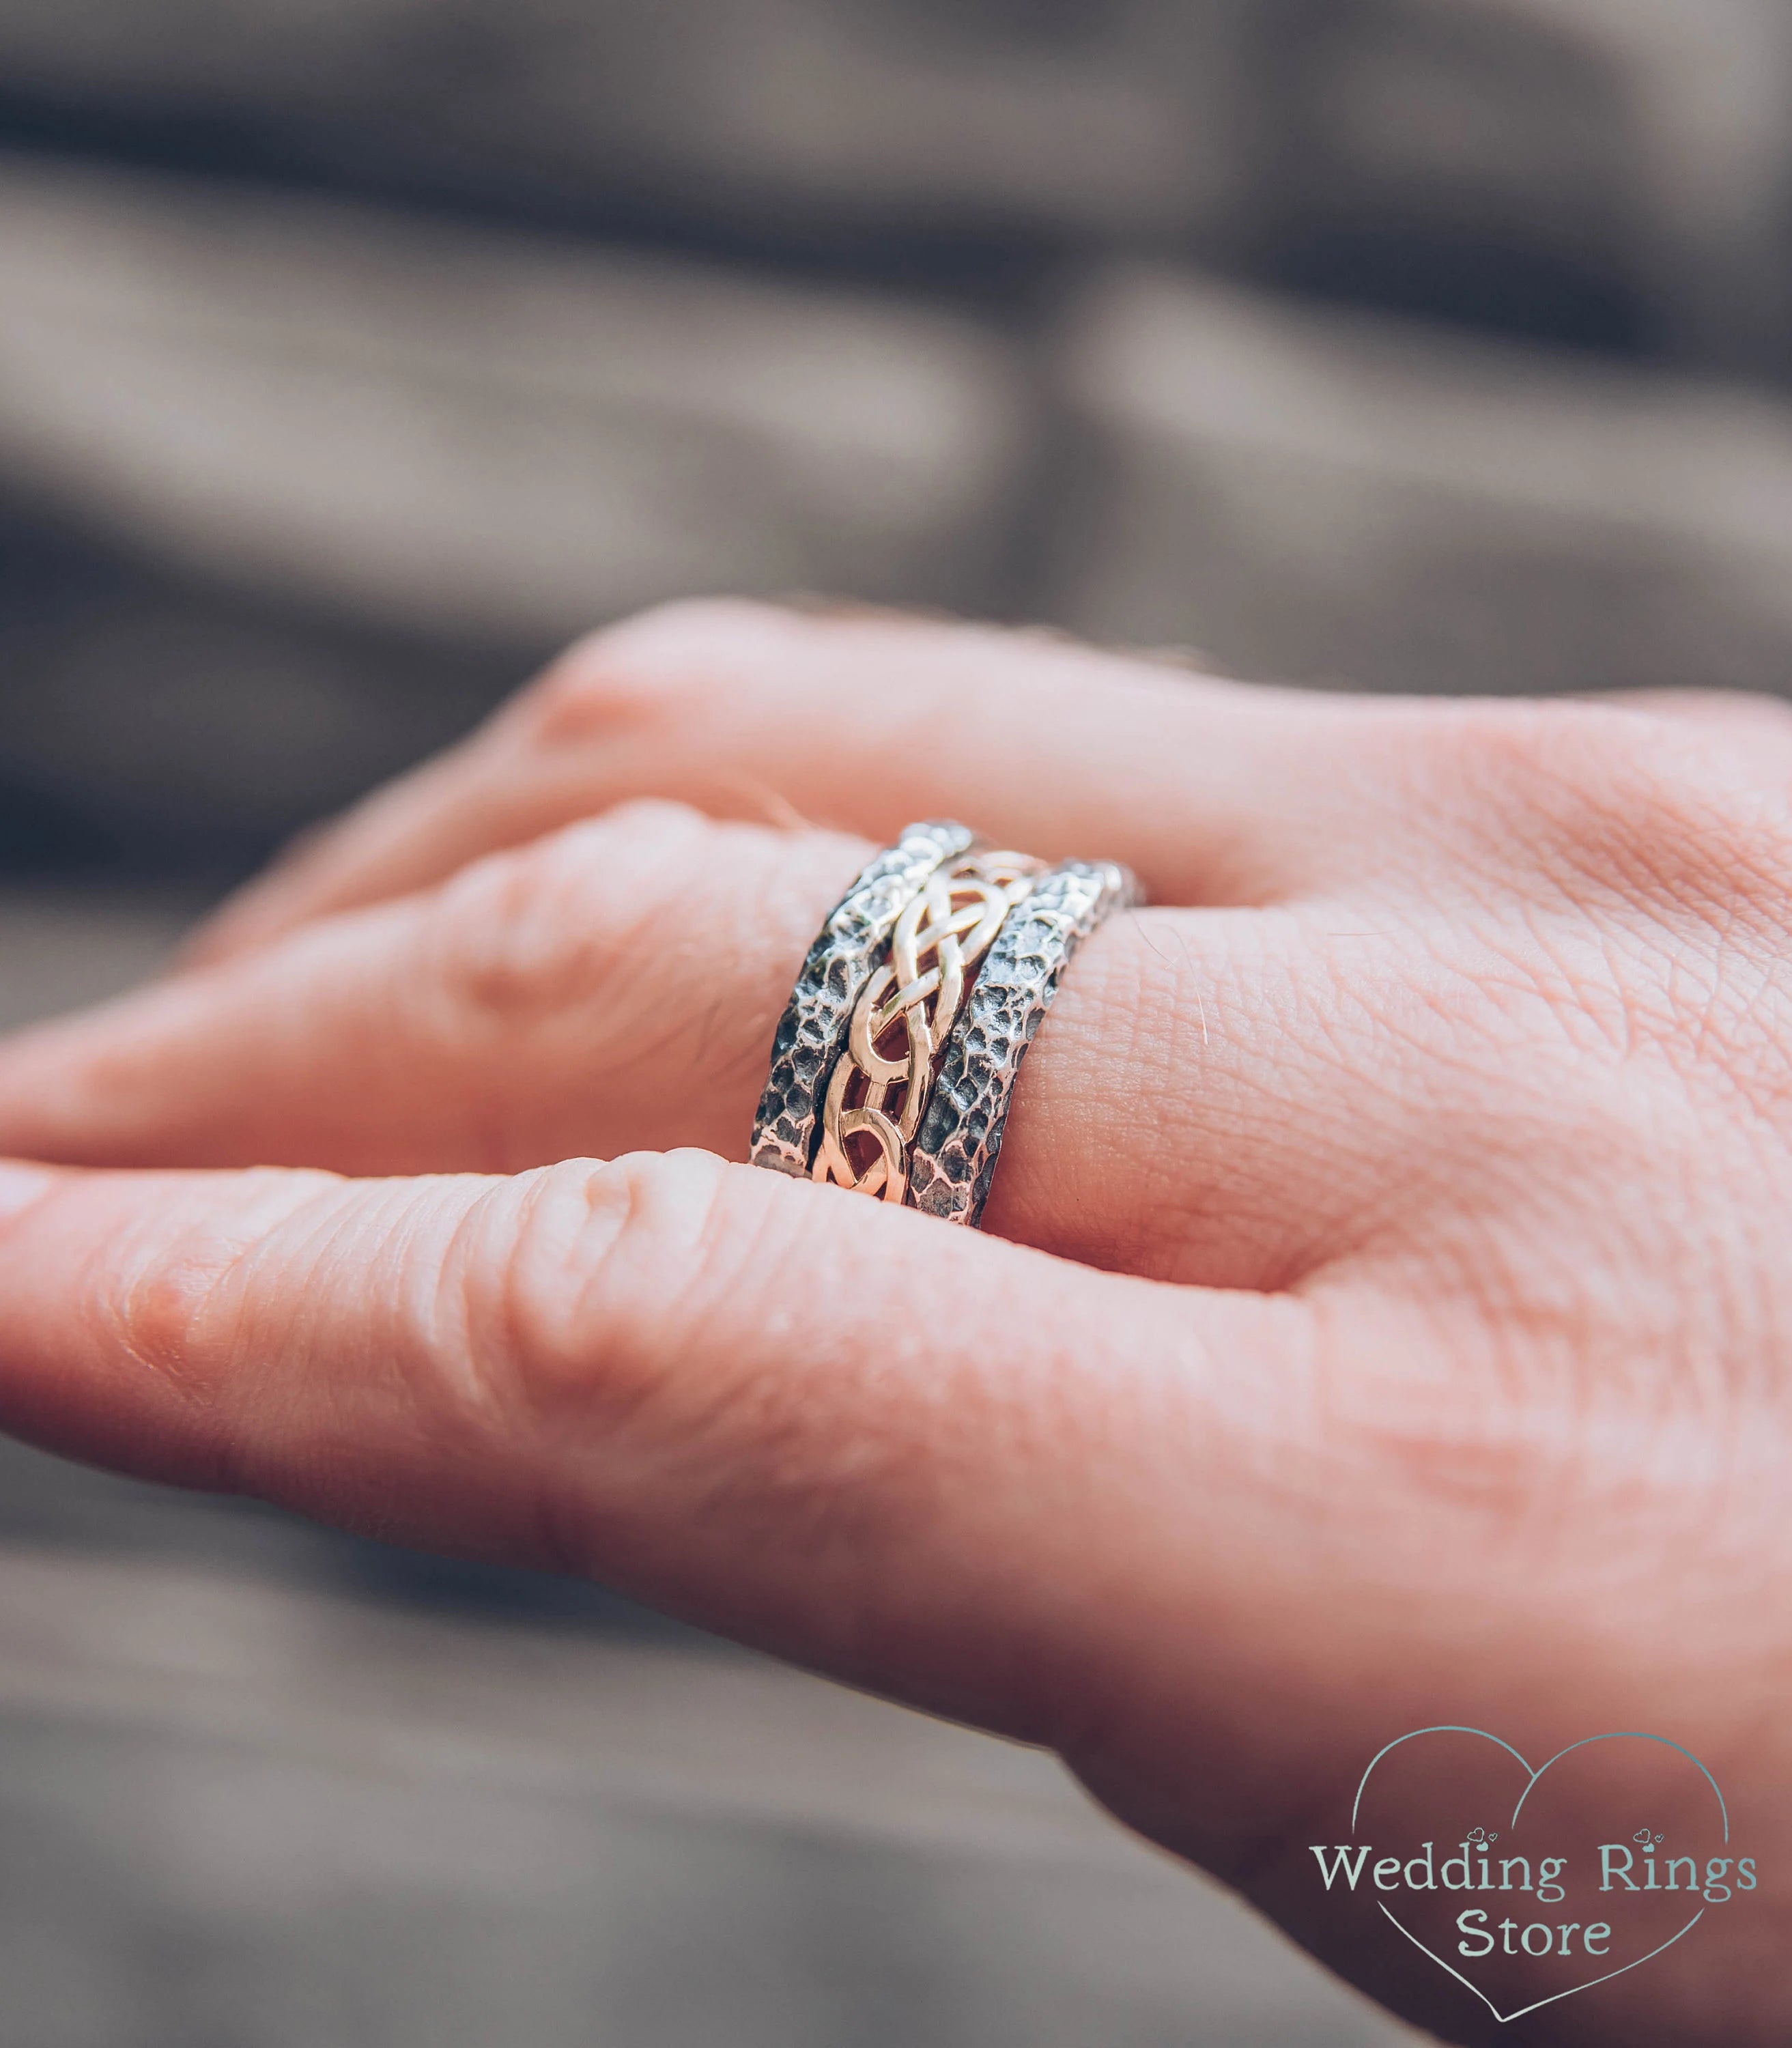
(614, 988)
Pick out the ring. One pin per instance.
(813, 1028)
(895, 1060)
(959, 1141)
(881, 1082)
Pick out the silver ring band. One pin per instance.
(813, 1031)
(953, 1160)
(896, 1058)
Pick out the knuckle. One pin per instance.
(1540, 754)
(653, 671)
(523, 933)
(633, 1308)
(1615, 805)
(1673, 825)
(173, 1307)
(671, 940)
(1628, 880)
(161, 1310)
(597, 1279)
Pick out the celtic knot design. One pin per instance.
(813, 1031)
(877, 1092)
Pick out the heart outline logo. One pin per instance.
(1617, 1735)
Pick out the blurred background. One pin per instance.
(354, 354)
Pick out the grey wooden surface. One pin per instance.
(293, 487)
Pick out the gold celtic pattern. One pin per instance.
(878, 1090)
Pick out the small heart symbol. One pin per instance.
(1545, 1869)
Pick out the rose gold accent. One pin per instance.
(878, 1089)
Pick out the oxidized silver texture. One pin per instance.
(812, 1030)
(952, 1163)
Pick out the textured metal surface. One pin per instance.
(812, 1030)
(953, 1160)
(877, 1094)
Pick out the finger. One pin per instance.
(611, 988)
(1173, 1537)
(915, 1458)
(616, 987)
(1757, 730)
(1176, 1537)
(1212, 791)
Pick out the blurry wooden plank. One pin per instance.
(1337, 498)
(155, 1644)
(1615, 165)
(771, 113)
(441, 430)
(246, 1757)
(158, 721)
(1629, 160)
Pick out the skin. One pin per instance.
(1384, 1317)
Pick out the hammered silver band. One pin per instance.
(954, 1158)
(895, 1061)
(813, 1031)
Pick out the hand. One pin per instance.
(1448, 1087)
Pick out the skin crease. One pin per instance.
(1383, 1319)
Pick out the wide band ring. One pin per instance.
(896, 1058)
